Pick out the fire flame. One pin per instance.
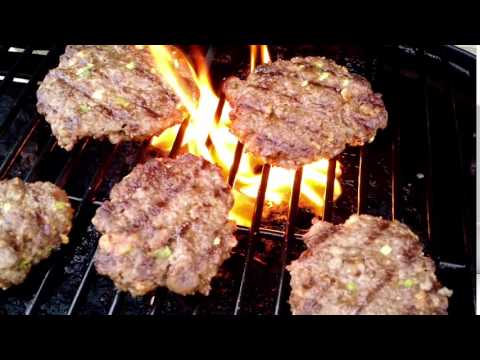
(204, 125)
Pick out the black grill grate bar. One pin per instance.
(289, 234)
(451, 266)
(114, 304)
(61, 181)
(93, 186)
(81, 286)
(328, 204)
(177, 144)
(395, 163)
(12, 71)
(253, 233)
(374, 64)
(395, 145)
(459, 149)
(71, 163)
(98, 179)
(17, 148)
(30, 86)
(47, 148)
(362, 180)
(428, 175)
(235, 165)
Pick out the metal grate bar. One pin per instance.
(268, 232)
(394, 163)
(114, 304)
(17, 148)
(177, 144)
(362, 180)
(98, 179)
(89, 192)
(47, 148)
(459, 148)
(71, 163)
(61, 181)
(328, 205)
(236, 163)
(11, 72)
(253, 234)
(395, 146)
(428, 175)
(94, 184)
(289, 233)
(30, 86)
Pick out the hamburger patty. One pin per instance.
(112, 91)
(291, 113)
(366, 266)
(166, 225)
(35, 218)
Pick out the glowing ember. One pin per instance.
(203, 125)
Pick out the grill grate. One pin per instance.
(420, 170)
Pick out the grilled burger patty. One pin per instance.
(291, 113)
(35, 218)
(166, 225)
(366, 266)
(111, 91)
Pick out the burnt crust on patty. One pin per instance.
(110, 91)
(166, 224)
(291, 113)
(35, 219)
(367, 266)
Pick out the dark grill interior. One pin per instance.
(420, 170)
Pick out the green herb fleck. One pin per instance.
(24, 264)
(163, 253)
(351, 286)
(84, 108)
(121, 101)
(408, 283)
(59, 205)
(84, 72)
(130, 65)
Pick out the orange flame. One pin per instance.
(253, 57)
(203, 125)
(264, 54)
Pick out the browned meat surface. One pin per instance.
(166, 225)
(35, 218)
(367, 266)
(109, 91)
(291, 113)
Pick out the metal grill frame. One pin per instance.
(450, 56)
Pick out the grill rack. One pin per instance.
(455, 63)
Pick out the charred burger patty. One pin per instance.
(291, 113)
(366, 266)
(109, 91)
(35, 218)
(166, 225)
